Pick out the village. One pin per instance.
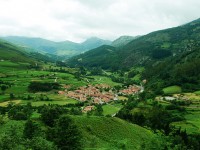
(98, 94)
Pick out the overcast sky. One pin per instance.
(77, 20)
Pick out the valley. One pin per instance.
(138, 93)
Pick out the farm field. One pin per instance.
(111, 109)
(191, 114)
(102, 129)
(172, 90)
(19, 78)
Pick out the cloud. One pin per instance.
(77, 20)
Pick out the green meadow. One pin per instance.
(172, 90)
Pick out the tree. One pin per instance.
(40, 143)
(99, 110)
(67, 134)
(96, 71)
(12, 138)
(3, 89)
(83, 71)
(50, 113)
(18, 112)
(30, 129)
(12, 96)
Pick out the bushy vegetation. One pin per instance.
(44, 87)
(160, 118)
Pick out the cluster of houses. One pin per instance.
(88, 108)
(132, 89)
(97, 94)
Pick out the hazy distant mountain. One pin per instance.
(59, 48)
(17, 54)
(94, 42)
(123, 40)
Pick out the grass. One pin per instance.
(190, 128)
(99, 132)
(111, 109)
(17, 89)
(103, 80)
(192, 120)
(166, 45)
(192, 96)
(197, 92)
(172, 90)
(4, 97)
(191, 123)
(5, 104)
(35, 115)
(136, 77)
(122, 98)
(111, 133)
(40, 103)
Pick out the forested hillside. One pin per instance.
(170, 57)
(147, 49)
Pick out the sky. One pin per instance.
(77, 20)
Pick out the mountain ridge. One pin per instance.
(60, 48)
(152, 47)
(123, 40)
(170, 57)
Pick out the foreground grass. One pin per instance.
(111, 133)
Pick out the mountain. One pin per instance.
(170, 57)
(147, 49)
(123, 40)
(94, 42)
(58, 48)
(94, 57)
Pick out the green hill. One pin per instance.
(170, 57)
(123, 40)
(13, 53)
(95, 57)
(148, 49)
(112, 133)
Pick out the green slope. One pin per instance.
(147, 49)
(13, 53)
(170, 57)
(101, 133)
(111, 133)
(93, 58)
(17, 54)
(123, 40)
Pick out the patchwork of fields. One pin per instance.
(20, 76)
